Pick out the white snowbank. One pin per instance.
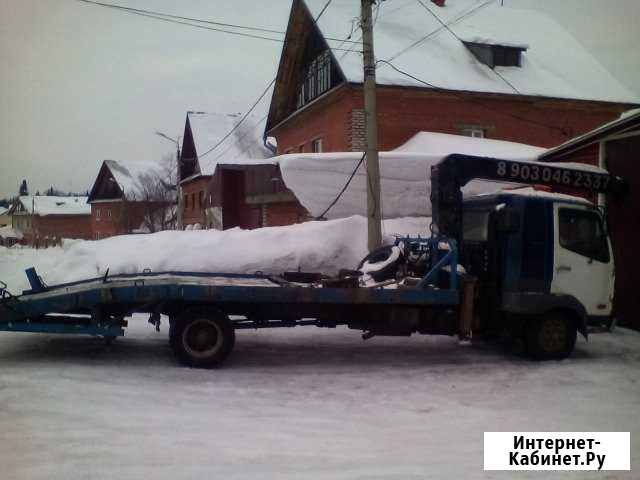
(312, 246)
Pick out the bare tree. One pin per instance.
(158, 196)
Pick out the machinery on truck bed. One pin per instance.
(538, 265)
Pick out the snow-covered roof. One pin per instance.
(317, 178)
(8, 232)
(127, 175)
(3, 210)
(555, 64)
(443, 144)
(48, 205)
(209, 129)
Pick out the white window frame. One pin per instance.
(473, 131)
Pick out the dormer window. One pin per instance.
(494, 55)
(316, 79)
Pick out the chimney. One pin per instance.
(439, 3)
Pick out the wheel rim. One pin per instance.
(202, 338)
(554, 335)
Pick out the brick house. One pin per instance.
(123, 199)
(44, 221)
(615, 146)
(205, 144)
(496, 71)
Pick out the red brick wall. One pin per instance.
(285, 213)
(49, 229)
(402, 112)
(116, 218)
(194, 200)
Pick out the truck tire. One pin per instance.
(202, 337)
(551, 336)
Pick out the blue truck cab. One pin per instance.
(537, 254)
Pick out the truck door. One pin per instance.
(583, 262)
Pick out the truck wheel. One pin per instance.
(202, 337)
(551, 336)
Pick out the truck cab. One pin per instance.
(537, 256)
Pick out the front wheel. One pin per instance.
(202, 337)
(551, 336)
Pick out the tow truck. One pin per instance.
(539, 266)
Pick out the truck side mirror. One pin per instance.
(507, 220)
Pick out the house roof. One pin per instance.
(406, 34)
(629, 120)
(210, 129)
(127, 177)
(45, 205)
(3, 210)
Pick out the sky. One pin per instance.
(81, 83)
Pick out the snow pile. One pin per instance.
(405, 174)
(312, 246)
(50, 205)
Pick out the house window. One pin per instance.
(200, 196)
(97, 215)
(316, 145)
(496, 55)
(109, 213)
(193, 200)
(476, 132)
(315, 79)
(186, 201)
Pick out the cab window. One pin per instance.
(581, 231)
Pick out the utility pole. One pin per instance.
(371, 124)
(178, 177)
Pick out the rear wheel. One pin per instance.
(551, 336)
(202, 337)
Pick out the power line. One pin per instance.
(444, 25)
(255, 104)
(182, 20)
(436, 31)
(244, 117)
(335, 200)
(454, 93)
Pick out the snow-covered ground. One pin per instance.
(288, 403)
(298, 403)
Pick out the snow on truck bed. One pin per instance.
(313, 246)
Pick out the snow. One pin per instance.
(8, 232)
(555, 64)
(298, 403)
(313, 246)
(3, 210)
(289, 403)
(128, 174)
(208, 129)
(51, 205)
(443, 144)
(405, 174)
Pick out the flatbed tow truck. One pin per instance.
(539, 266)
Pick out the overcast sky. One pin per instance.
(81, 83)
